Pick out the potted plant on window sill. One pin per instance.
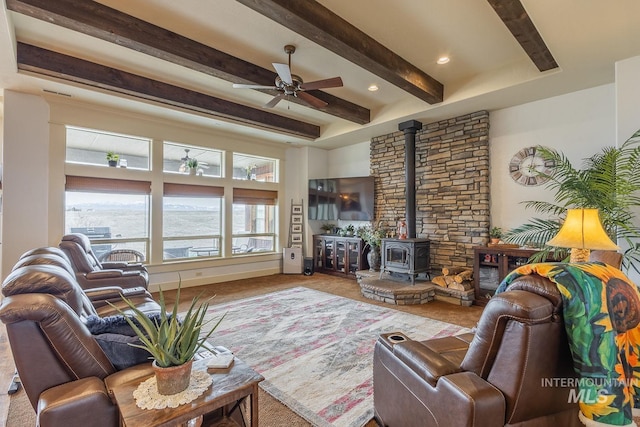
(172, 341)
(112, 159)
(192, 164)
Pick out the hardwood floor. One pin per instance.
(234, 290)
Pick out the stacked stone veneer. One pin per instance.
(452, 188)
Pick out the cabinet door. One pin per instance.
(318, 253)
(329, 259)
(341, 255)
(511, 262)
(487, 275)
(353, 256)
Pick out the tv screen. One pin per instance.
(349, 199)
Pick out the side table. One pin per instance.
(230, 386)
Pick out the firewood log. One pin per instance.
(465, 275)
(439, 280)
(449, 280)
(464, 286)
(452, 271)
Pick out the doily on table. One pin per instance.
(147, 396)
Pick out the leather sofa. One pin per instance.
(64, 370)
(515, 370)
(91, 273)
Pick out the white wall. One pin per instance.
(628, 112)
(25, 153)
(578, 124)
(353, 160)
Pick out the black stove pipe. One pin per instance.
(410, 128)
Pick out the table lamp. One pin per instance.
(582, 231)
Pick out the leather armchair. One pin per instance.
(510, 372)
(91, 273)
(63, 369)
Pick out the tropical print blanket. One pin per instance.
(601, 309)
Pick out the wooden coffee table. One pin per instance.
(229, 388)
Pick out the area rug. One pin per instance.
(315, 349)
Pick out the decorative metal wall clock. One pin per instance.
(526, 166)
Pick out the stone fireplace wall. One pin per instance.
(452, 188)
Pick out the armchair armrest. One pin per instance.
(100, 296)
(467, 393)
(108, 278)
(104, 274)
(111, 265)
(120, 265)
(80, 402)
(428, 364)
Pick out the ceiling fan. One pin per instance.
(293, 85)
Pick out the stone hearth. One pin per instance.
(397, 289)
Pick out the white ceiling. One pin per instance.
(488, 68)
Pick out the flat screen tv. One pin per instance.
(349, 199)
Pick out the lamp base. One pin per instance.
(579, 255)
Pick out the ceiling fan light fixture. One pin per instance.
(289, 84)
(373, 87)
(443, 60)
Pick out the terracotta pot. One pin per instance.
(495, 241)
(174, 379)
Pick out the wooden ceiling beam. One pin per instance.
(517, 20)
(317, 23)
(97, 20)
(56, 65)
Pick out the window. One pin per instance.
(192, 221)
(114, 208)
(253, 168)
(114, 214)
(91, 147)
(254, 218)
(179, 158)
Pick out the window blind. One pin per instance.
(247, 196)
(106, 185)
(186, 190)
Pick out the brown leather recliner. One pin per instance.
(510, 372)
(91, 273)
(102, 299)
(64, 371)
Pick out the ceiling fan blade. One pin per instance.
(284, 72)
(242, 86)
(311, 100)
(323, 84)
(274, 101)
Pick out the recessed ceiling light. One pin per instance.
(443, 60)
(373, 88)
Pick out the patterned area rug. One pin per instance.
(315, 349)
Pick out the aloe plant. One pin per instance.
(609, 181)
(171, 340)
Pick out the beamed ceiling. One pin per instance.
(180, 59)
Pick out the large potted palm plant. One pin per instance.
(609, 181)
(172, 340)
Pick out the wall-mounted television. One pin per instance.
(349, 199)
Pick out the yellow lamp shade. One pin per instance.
(582, 229)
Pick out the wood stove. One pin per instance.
(405, 256)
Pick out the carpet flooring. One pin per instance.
(315, 349)
(272, 412)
